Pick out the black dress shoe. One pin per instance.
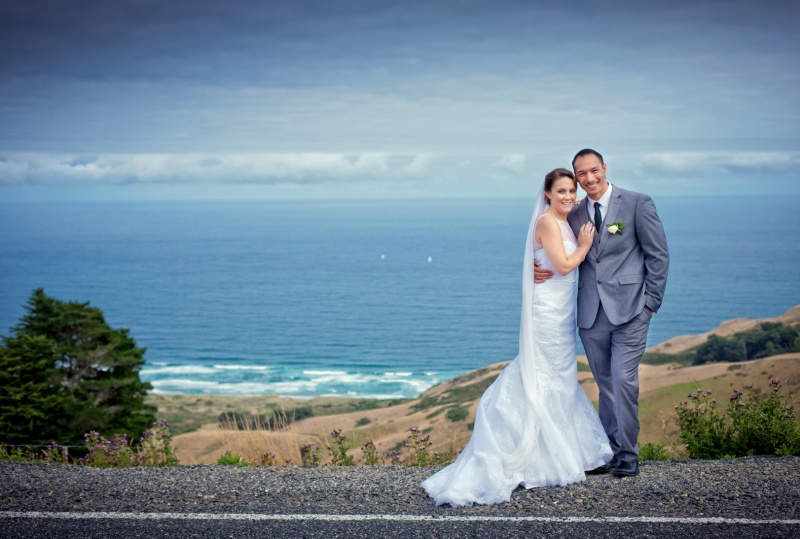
(627, 469)
(605, 468)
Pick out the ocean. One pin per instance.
(359, 298)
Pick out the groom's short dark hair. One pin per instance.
(587, 151)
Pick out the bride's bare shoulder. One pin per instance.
(546, 226)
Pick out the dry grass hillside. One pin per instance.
(446, 411)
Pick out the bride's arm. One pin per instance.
(548, 234)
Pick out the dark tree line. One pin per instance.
(64, 372)
(767, 339)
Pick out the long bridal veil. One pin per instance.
(527, 356)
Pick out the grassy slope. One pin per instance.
(440, 410)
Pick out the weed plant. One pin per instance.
(339, 456)
(369, 453)
(418, 447)
(309, 455)
(155, 446)
(395, 456)
(268, 459)
(154, 449)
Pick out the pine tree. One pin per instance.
(97, 368)
(32, 399)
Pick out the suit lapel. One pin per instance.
(611, 216)
(583, 218)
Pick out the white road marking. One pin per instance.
(400, 518)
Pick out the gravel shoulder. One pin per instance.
(752, 487)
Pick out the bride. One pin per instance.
(534, 425)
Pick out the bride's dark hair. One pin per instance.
(552, 176)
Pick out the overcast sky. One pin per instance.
(130, 99)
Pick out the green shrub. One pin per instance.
(231, 459)
(748, 426)
(457, 413)
(663, 358)
(653, 451)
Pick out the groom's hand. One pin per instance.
(540, 275)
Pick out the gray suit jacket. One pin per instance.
(623, 271)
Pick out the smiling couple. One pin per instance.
(534, 425)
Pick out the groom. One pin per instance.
(620, 287)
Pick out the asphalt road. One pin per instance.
(751, 497)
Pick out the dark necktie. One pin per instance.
(598, 217)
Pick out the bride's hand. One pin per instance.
(586, 236)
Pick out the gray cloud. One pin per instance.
(167, 91)
(483, 175)
(305, 168)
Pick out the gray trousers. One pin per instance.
(614, 353)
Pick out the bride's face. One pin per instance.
(562, 195)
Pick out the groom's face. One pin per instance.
(591, 174)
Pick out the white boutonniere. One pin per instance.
(616, 228)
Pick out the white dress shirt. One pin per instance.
(604, 201)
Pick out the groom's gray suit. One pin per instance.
(621, 275)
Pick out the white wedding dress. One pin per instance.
(534, 425)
